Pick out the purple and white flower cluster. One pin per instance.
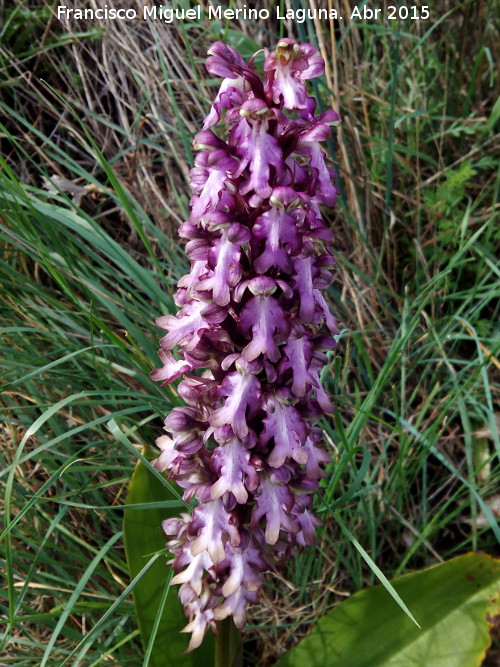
(251, 334)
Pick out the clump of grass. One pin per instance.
(96, 125)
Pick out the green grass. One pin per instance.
(86, 268)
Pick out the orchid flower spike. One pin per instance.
(251, 335)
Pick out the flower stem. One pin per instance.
(228, 648)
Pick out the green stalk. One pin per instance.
(228, 647)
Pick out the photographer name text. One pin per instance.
(172, 14)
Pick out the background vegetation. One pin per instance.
(96, 124)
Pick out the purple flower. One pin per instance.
(224, 262)
(258, 150)
(274, 500)
(285, 425)
(250, 336)
(211, 527)
(241, 390)
(277, 230)
(287, 68)
(261, 318)
(231, 464)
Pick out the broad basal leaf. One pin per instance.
(143, 537)
(454, 603)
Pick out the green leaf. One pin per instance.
(377, 571)
(143, 537)
(242, 43)
(454, 603)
